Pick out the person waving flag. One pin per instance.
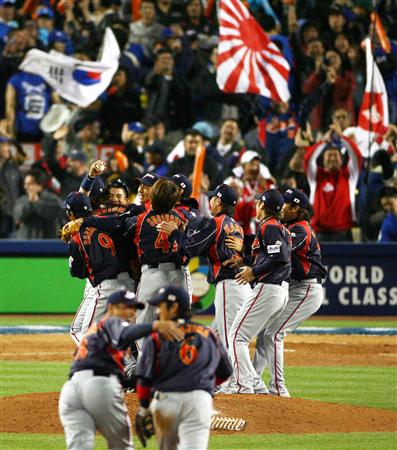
(248, 61)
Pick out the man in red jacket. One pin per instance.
(333, 185)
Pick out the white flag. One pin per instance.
(80, 82)
(373, 119)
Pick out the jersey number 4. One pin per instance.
(162, 243)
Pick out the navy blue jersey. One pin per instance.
(191, 215)
(306, 255)
(104, 345)
(271, 250)
(153, 247)
(182, 366)
(210, 240)
(93, 255)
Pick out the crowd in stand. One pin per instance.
(163, 104)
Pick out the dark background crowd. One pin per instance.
(164, 103)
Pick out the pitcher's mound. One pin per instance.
(38, 413)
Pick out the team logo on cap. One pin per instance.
(171, 298)
(129, 295)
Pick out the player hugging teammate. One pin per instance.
(266, 285)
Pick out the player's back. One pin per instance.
(156, 247)
(219, 252)
(99, 253)
(181, 366)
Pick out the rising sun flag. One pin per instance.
(248, 61)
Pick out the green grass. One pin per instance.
(20, 377)
(323, 322)
(366, 386)
(375, 387)
(6, 320)
(325, 441)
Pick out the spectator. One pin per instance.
(210, 103)
(169, 94)
(133, 136)
(192, 142)
(45, 24)
(339, 96)
(314, 51)
(121, 96)
(255, 178)
(84, 136)
(168, 12)
(155, 161)
(35, 213)
(28, 98)
(333, 185)
(155, 130)
(336, 25)
(10, 187)
(76, 170)
(146, 32)
(196, 23)
(388, 200)
(227, 146)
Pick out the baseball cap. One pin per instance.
(183, 181)
(58, 36)
(249, 156)
(205, 129)
(77, 203)
(119, 183)
(167, 33)
(272, 198)
(148, 179)
(172, 294)
(126, 297)
(45, 11)
(226, 193)
(292, 195)
(136, 127)
(156, 147)
(8, 2)
(4, 139)
(77, 155)
(336, 9)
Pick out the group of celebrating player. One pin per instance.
(266, 285)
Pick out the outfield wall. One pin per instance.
(34, 278)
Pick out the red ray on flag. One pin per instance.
(248, 61)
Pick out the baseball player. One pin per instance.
(211, 240)
(92, 255)
(182, 376)
(93, 400)
(116, 194)
(271, 253)
(305, 290)
(160, 256)
(187, 208)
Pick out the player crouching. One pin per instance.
(182, 376)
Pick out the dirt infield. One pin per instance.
(38, 413)
(301, 350)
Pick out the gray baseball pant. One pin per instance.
(262, 307)
(94, 304)
(152, 280)
(182, 419)
(91, 403)
(305, 298)
(229, 296)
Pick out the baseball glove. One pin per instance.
(144, 426)
(70, 229)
